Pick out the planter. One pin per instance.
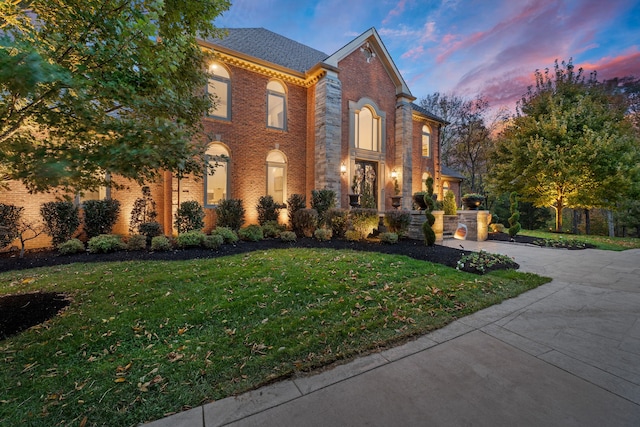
(396, 201)
(354, 200)
(472, 203)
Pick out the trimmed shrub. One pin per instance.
(190, 239)
(288, 236)
(389, 238)
(189, 217)
(305, 222)
(272, 229)
(213, 241)
(449, 204)
(322, 201)
(160, 243)
(514, 224)
(150, 230)
(230, 213)
(251, 233)
(364, 221)
(71, 246)
(295, 202)
(106, 243)
(323, 234)
(427, 230)
(9, 221)
(338, 220)
(268, 210)
(100, 216)
(353, 235)
(497, 228)
(227, 234)
(397, 221)
(144, 210)
(137, 242)
(61, 220)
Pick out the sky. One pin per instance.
(466, 47)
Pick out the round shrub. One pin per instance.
(353, 235)
(338, 220)
(364, 221)
(397, 221)
(227, 234)
(389, 238)
(323, 234)
(322, 201)
(71, 246)
(150, 229)
(61, 220)
(100, 216)
(213, 241)
(189, 217)
(295, 202)
(190, 239)
(251, 233)
(160, 243)
(137, 242)
(288, 236)
(105, 243)
(305, 222)
(268, 210)
(9, 219)
(497, 228)
(230, 213)
(272, 229)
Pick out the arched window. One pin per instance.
(277, 176)
(276, 105)
(367, 129)
(220, 86)
(426, 141)
(216, 177)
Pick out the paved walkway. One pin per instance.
(564, 354)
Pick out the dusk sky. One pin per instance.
(467, 47)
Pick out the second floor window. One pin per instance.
(276, 105)
(426, 141)
(367, 130)
(220, 86)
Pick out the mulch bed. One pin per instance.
(562, 242)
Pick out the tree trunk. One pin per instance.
(576, 221)
(612, 231)
(559, 206)
(587, 222)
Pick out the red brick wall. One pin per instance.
(426, 164)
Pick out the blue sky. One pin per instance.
(466, 47)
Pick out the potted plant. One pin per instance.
(472, 201)
(354, 198)
(396, 199)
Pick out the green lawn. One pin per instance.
(145, 339)
(601, 242)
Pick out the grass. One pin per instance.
(145, 339)
(600, 242)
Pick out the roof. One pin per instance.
(268, 46)
(448, 172)
(428, 113)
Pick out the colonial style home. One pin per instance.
(290, 119)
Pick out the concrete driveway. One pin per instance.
(564, 354)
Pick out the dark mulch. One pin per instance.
(19, 312)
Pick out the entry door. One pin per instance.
(367, 177)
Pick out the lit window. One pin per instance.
(367, 129)
(426, 141)
(220, 86)
(276, 105)
(276, 176)
(100, 193)
(216, 177)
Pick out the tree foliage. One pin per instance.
(93, 86)
(570, 144)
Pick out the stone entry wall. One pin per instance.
(418, 218)
(476, 222)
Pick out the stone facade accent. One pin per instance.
(477, 223)
(404, 150)
(328, 133)
(418, 218)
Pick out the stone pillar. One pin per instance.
(418, 218)
(404, 149)
(477, 224)
(328, 133)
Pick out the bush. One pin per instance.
(338, 220)
(322, 201)
(389, 238)
(268, 210)
(144, 210)
(230, 213)
(497, 228)
(449, 203)
(160, 243)
(105, 243)
(295, 202)
(190, 239)
(100, 216)
(353, 235)
(427, 230)
(323, 234)
(364, 221)
(71, 246)
(272, 229)
(397, 221)
(227, 234)
(189, 217)
(288, 236)
(10, 219)
(251, 233)
(137, 242)
(305, 221)
(213, 241)
(150, 230)
(61, 220)
(514, 224)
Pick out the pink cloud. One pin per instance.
(397, 11)
(414, 53)
(627, 64)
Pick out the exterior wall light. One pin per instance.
(394, 174)
(343, 168)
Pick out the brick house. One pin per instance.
(291, 119)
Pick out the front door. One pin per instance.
(367, 183)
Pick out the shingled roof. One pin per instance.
(266, 45)
(427, 113)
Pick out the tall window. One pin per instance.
(426, 141)
(216, 177)
(276, 105)
(276, 176)
(100, 193)
(220, 86)
(367, 130)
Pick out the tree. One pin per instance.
(569, 145)
(93, 87)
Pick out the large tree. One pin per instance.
(571, 144)
(89, 87)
